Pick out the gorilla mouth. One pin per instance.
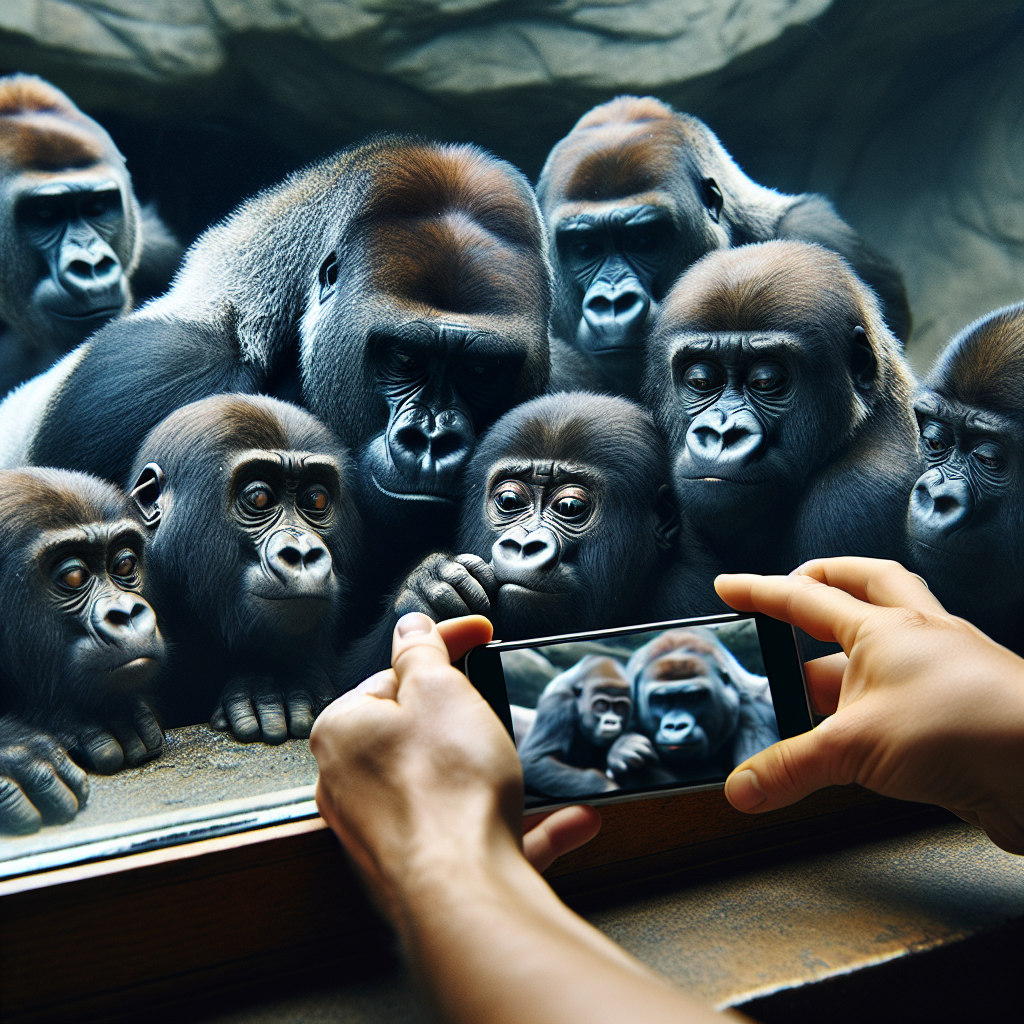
(425, 496)
(107, 311)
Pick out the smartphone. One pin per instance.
(620, 714)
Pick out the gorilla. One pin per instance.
(398, 290)
(697, 713)
(580, 714)
(966, 512)
(635, 194)
(787, 406)
(71, 230)
(255, 542)
(39, 783)
(81, 646)
(568, 524)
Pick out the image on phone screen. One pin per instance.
(634, 711)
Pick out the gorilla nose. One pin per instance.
(422, 443)
(518, 556)
(615, 312)
(90, 270)
(940, 504)
(296, 556)
(123, 617)
(731, 439)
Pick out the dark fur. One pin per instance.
(56, 672)
(966, 520)
(637, 151)
(839, 449)
(45, 139)
(203, 560)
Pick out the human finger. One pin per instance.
(825, 681)
(875, 580)
(786, 772)
(825, 612)
(547, 837)
(463, 634)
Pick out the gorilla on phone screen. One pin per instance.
(398, 290)
(75, 248)
(580, 714)
(81, 646)
(632, 196)
(568, 524)
(697, 713)
(787, 405)
(966, 512)
(255, 542)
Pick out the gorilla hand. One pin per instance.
(446, 588)
(629, 753)
(268, 709)
(130, 737)
(39, 783)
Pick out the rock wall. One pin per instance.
(908, 115)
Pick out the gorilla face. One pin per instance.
(686, 706)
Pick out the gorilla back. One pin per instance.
(399, 290)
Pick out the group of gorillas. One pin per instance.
(403, 379)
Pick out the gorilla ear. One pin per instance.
(146, 493)
(577, 689)
(713, 198)
(668, 517)
(328, 276)
(863, 364)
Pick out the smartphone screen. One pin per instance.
(622, 713)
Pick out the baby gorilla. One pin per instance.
(580, 714)
(697, 712)
(81, 647)
(255, 543)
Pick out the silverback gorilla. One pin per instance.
(632, 196)
(580, 714)
(966, 513)
(567, 524)
(72, 235)
(398, 290)
(81, 646)
(256, 539)
(787, 406)
(697, 713)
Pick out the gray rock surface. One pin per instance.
(908, 115)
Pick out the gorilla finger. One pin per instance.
(17, 815)
(135, 750)
(473, 596)
(825, 681)
(301, 715)
(482, 571)
(219, 720)
(72, 776)
(444, 600)
(244, 723)
(100, 751)
(54, 801)
(148, 728)
(273, 722)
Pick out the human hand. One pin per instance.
(924, 706)
(417, 771)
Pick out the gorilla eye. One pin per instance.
(703, 377)
(72, 574)
(126, 565)
(573, 503)
(989, 456)
(511, 496)
(258, 497)
(483, 369)
(935, 437)
(713, 198)
(316, 500)
(601, 705)
(100, 204)
(766, 378)
(328, 276)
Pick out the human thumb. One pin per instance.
(782, 774)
